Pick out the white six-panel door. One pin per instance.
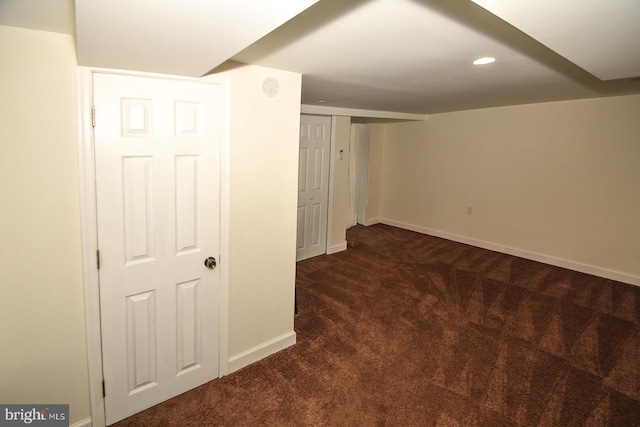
(157, 179)
(313, 186)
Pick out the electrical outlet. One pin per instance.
(469, 210)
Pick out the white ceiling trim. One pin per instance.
(366, 114)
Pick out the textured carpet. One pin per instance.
(404, 329)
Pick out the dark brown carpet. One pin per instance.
(404, 329)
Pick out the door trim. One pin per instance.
(89, 230)
(332, 155)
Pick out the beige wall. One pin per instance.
(376, 140)
(43, 356)
(339, 205)
(560, 179)
(42, 306)
(360, 136)
(263, 205)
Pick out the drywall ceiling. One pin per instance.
(56, 16)
(601, 36)
(175, 37)
(416, 56)
(406, 56)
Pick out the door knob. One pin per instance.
(210, 263)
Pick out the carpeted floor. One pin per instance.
(404, 329)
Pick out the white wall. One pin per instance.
(43, 356)
(560, 179)
(360, 138)
(264, 134)
(42, 307)
(339, 203)
(376, 141)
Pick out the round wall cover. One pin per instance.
(270, 87)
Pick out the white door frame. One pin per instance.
(89, 229)
(333, 154)
(353, 216)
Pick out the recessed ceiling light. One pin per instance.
(321, 101)
(483, 61)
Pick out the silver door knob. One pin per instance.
(210, 263)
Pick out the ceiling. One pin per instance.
(175, 37)
(603, 37)
(403, 56)
(55, 16)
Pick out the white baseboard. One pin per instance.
(372, 221)
(261, 351)
(82, 423)
(547, 259)
(337, 248)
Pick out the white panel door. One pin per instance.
(313, 186)
(157, 179)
